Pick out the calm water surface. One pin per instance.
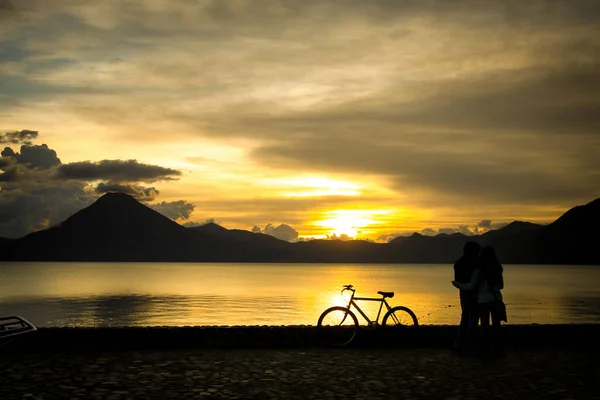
(177, 294)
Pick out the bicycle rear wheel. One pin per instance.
(337, 326)
(400, 316)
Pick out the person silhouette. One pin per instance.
(463, 271)
(492, 284)
(486, 284)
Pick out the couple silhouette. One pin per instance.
(479, 277)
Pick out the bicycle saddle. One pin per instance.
(386, 294)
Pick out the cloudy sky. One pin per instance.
(369, 118)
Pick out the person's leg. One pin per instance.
(463, 328)
(484, 315)
(458, 341)
(474, 332)
(495, 332)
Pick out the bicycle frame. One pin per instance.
(338, 325)
(352, 302)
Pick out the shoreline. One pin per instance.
(78, 339)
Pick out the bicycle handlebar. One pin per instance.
(348, 287)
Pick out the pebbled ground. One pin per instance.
(301, 374)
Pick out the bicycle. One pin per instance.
(338, 325)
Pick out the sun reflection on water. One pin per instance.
(339, 300)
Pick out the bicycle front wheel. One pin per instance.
(400, 316)
(337, 326)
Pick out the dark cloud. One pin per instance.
(486, 224)
(24, 210)
(116, 171)
(8, 152)
(176, 210)
(141, 193)
(6, 8)
(41, 157)
(12, 52)
(18, 137)
(6, 162)
(31, 198)
(32, 164)
(468, 176)
(9, 174)
(538, 100)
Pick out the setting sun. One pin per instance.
(348, 222)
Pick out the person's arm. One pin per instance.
(471, 285)
(501, 282)
(456, 267)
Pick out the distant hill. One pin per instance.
(211, 228)
(350, 251)
(571, 239)
(249, 246)
(419, 248)
(119, 228)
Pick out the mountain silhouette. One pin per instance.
(514, 228)
(580, 217)
(516, 243)
(573, 238)
(115, 228)
(211, 228)
(119, 228)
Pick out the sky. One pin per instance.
(369, 119)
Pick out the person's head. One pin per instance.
(471, 249)
(491, 267)
(488, 255)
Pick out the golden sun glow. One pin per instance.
(314, 186)
(339, 300)
(348, 222)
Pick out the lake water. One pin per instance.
(178, 294)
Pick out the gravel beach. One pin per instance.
(309, 373)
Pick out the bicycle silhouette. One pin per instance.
(338, 325)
